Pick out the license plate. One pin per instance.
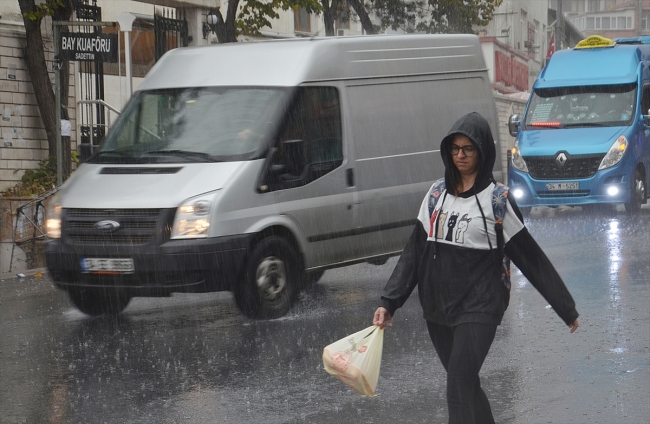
(563, 186)
(107, 265)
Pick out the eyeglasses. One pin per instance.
(468, 150)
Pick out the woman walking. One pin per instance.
(452, 257)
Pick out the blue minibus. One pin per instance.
(584, 137)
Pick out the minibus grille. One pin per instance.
(135, 226)
(575, 167)
(563, 193)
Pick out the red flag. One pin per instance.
(551, 47)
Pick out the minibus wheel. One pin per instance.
(637, 193)
(95, 302)
(271, 280)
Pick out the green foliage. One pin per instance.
(396, 14)
(456, 16)
(35, 181)
(256, 14)
(42, 10)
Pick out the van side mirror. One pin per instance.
(513, 125)
(646, 119)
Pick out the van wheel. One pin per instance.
(271, 280)
(637, 193)
(94, 302)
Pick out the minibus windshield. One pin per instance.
(211, 124)
(584, 106)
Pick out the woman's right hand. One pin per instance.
(382, 318)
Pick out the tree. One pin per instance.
(253, 15)
(34, 53)
(456, 16)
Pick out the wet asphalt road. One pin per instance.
(196, 359)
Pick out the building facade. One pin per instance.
(609, 18)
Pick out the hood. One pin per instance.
(477, 129)
(102, 186)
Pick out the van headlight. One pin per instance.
(517, 160)
(192, 219)
(53, 222)
(615, 153)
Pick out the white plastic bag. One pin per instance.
(355, 359)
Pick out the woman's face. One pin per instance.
(465, 155)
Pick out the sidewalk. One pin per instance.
(28, 273)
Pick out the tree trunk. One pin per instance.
(34, 53)
(329, 16)
(361, 11)
(225, 28)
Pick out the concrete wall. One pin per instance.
(23, 141)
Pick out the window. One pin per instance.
(343, 15)
(645, 22)
(196, 124)
(645, 100)
(590, 23)
(310, 144)
(301, 20)
(593, 6)
(582, 106)
(605, 23)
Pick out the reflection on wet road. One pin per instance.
(196, 359)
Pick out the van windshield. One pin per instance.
(192, 125)
(586, 106)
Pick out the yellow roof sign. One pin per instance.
(595, 41)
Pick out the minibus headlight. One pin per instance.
(53, 222)
(517, 160)
(192, 219)
(615, 153)
(518, 192)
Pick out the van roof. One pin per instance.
(595, 66)
(295, 61)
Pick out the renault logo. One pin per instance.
(561, 159)
(107, 226)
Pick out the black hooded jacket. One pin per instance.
(452, 252)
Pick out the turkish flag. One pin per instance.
(551, 47)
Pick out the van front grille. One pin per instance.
(120, 226)
(575, 167)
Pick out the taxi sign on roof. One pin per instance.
(595, 41)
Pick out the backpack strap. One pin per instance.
(434, 194)
(499, 205)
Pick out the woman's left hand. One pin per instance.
(574, 326)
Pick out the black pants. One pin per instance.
(462, 350)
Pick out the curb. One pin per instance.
(26, 273)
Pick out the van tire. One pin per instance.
(95, 302)
(271, 280)
(637, 193)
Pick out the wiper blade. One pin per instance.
(184, 154)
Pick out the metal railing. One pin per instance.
(29, 226)
(97, 116)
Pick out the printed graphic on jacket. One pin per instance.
(460, 222)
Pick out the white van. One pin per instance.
(254, 167)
